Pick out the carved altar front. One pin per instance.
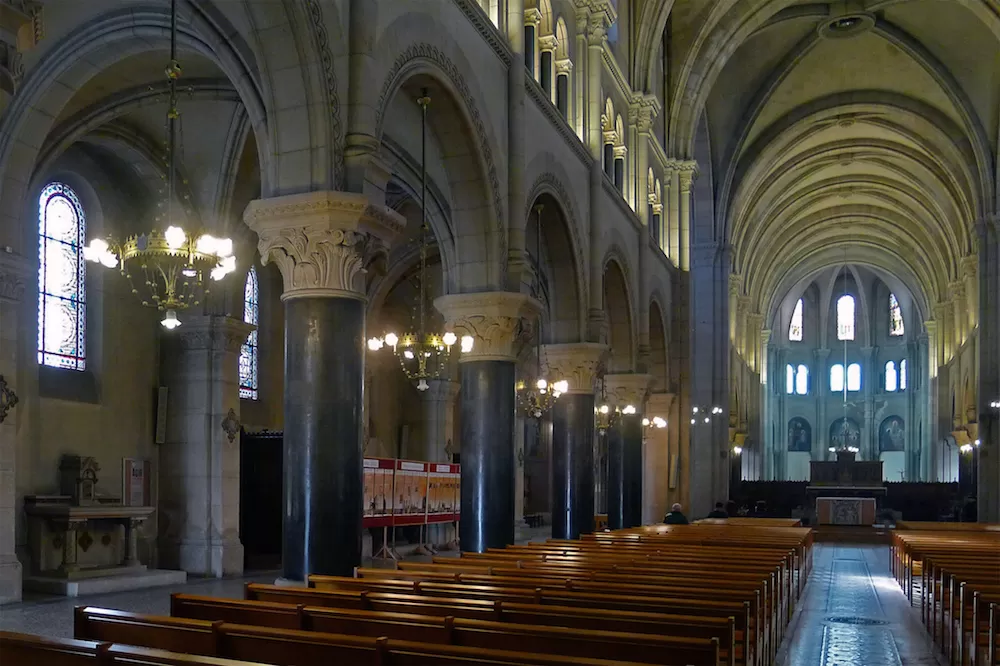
(845, 491)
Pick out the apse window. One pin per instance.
(854, 377)
(891, 378)
(62, 295)
(845, 317)
(789, 379)
(795, 327)
(249, 351)
(902, 375)
(895, 317)
(802, 380)
(836, 378)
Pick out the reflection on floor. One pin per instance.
(854, 614)
(53, 616)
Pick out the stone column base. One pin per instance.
(211, 558)
(10, 579)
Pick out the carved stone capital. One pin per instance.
(14, 272)
(735, 284)
(970, 267)
(754, 321)
(593, 18)
(957, 290)
(579, 364)
(942, 311)
(492, 319)
(641, 111)
(213, 332)
(547, 43)
(322, 242)
(687, 174)
(628, 389)
(659, 404)
(532, 16)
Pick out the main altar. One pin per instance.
(845, 491)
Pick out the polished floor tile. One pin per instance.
(853, 613)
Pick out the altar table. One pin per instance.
(845, 510)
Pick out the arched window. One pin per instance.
(845, 317)
(895, 316)
(789, 379)
(619, 170)
(836, 378)
(564, 66)
(62, 294)
(854, 377)
(802, 380)
(795, 328)
(902, 375)
(248, 353)
(891, 379)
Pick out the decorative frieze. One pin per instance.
(322, 242)
(491, 319)
(578, 364)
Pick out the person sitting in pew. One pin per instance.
(718, 512)
(676, 516)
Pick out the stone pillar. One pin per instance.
(573, 437)
(687, 172)
(200, 461)
(656, 460)
(820, 387)
(869, 378)
(361, 143)
(515, 145)
(625, 448)
(321, 243)
(14, 272)
(487, 373)
(439, 418)
(989, 370)
(673, 241)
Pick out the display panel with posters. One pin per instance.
(442, 494)
(408, 492)
(378, 489)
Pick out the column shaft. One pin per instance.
(616, 477)
(324, 378)
(632, 465)
(573, 466)
(487, 404)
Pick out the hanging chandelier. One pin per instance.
(168, 267)
(655, 422)
(606, 416)
(536, 397)
(422, 355)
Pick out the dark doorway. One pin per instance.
(260, 499)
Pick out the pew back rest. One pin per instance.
(172, 634)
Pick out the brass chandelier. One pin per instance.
(606, 416)
(422, 355)
(536, 397)
(167, 267)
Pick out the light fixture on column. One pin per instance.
(422, 355)
(537, 396)
(655, 422)
(969, 448)
(704, 415)
(168, 267)
(737, 450)
(605, 416)
(995, 405)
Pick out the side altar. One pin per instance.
(82, 543)
(845, 491)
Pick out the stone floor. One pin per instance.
(853, 613)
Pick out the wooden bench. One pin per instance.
(30, 650)
(293, 647)
(451, 630)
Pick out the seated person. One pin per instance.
(675, 517)
(719, 511)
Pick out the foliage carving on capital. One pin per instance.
(578, 364)
(628, 389)
(970, 266)
(492, 319)
(322, 242)
(687, 174)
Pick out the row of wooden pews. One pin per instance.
(708, 595)
(953, 569)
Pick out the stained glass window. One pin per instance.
(854, 377)
(789, 379)
(836, 378)
(248, 353)
(902, 375)
(845, 317)
(795, 328)
(62, 297)
(891, 378)
(802, 380)
(895, 316)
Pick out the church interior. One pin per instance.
(500, 331)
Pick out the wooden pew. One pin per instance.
(294, 647)
(449, 630)
(681, 617)
(30, 650)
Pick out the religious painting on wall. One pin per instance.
(844, 432)
(799, 435)
(892, 435)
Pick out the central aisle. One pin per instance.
(853, 613)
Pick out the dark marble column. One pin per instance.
(324, 383)
(616, 477)
(490, 321)
(632, 469)
(573, 466)
(324, 367)
(487, 404)
(573, 490)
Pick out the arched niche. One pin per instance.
(617, 305)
